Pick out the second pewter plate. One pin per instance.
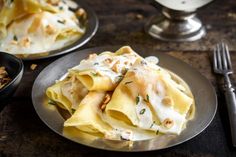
(203, 92)
(91, 28)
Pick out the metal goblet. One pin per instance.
(176, 25)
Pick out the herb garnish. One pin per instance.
(157, 132)
(120, 77)
(128, 82)
(96, 63)
(62, 22)
(147, 98)
(72, 111)
(51, 102)
(142, 111)
(15, 38)
(137, 99)
(94, 73)
(60, 8)
(152, 124)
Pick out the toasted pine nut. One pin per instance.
(167, 101)
(168, 123)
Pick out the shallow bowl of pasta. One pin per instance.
(124, 99)
(33, 29)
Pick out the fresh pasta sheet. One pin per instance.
(122, 96)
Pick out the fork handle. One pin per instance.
(231, 106)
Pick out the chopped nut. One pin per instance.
(126, 62)
(167, 101)
(25, 42)
(4, 78)
(107, 98)
(168, 123)
(33, 66)
(139, 16)
(53, 2)
(103, 107)
(115, 67)
(91, 56)
(50, 30)
(81, 13)
(105, 102)
(107, 60)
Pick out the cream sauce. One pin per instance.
(99, 64)
(124, 131)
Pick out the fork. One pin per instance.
(222, 65)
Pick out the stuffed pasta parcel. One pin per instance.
(137, 100)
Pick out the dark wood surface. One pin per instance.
(22, 133)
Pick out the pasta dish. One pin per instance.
(37, 26)
(123, 96)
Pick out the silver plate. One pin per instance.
(91, 28)
(204, 93)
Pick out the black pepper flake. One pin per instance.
(142, 111)
(96, 63)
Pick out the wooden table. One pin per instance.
(22, 133)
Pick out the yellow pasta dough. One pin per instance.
(87, 116)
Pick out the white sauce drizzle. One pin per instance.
(98, 65)
(152, 59)
(124, 131)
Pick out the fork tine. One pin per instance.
(224, 58)
(215, 65)
(219, 61)
(228, 57)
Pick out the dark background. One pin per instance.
(22, 133)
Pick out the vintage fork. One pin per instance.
(222, 65)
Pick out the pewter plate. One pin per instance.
(203, 92)
(91, 28)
